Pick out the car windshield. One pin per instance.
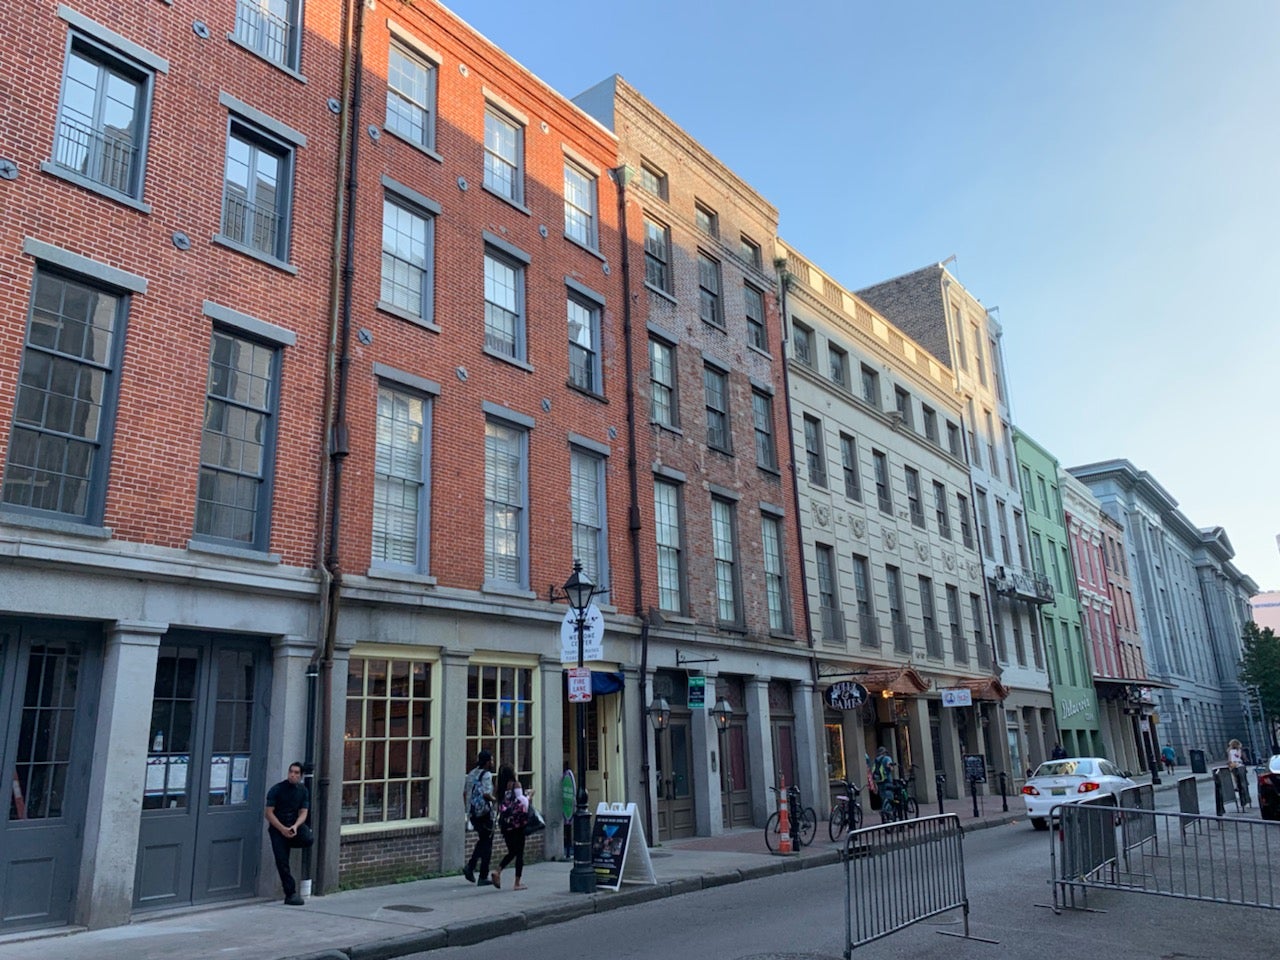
(1065, 768)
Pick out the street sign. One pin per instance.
(592, 635)
(697, 693)
(579, 684)
(956, 697)
(845, 695)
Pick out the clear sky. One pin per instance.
(1105, 173)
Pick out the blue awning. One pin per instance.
(602, 683)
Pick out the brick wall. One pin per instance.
(372, 859)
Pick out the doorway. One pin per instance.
(675, 777)
(735, 781)
(201, 833)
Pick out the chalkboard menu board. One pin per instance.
(975, 768)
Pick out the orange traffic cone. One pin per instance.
(784, 821)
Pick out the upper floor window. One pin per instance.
(815, 456)
(503, 155)
(102, 120)
(653, 180)
(995, 368)
(271, 29)
(775, 581)
(400, 487)
(962, 511)
(1002, 521)
(940, 510)
(411, 96)
(724, 550)
(838, 365)
(709, 290)
(871, 386)
(753, 305)
(915, 501)
(930, 417)
(902, 403)
(762, 417)
(663, 406)
(256, 191)
(953, 440)
(958, 314)
(503, 305)
(849, 463)
(233, 499)
(579, 205)
(984, 524)
(802, 343)
(66, 390)
(506, 519)
(657, 255)
(1028, 494)
(884, 494)
(587, 508)
(977, 354)
(706, 220)
(715, 386)
(828, 594)
(669, 537)
(749, 251)
(584, 344)
(407, 237)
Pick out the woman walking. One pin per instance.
(513, 815)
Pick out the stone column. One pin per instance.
(454, 759)
(287, 742)
(114, 805)
(921, 750)
(329, 755)
(760, 748)
(950, 761)
(809, 749)
(547, 797)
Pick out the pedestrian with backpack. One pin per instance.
(477, 794)
(513, 817)
(882, 776)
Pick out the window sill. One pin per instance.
(233, 553)
(507, 590)
(400, 576)
(783, 635)
(760, 350)
(668, 427)
(773, 472)
(93, 186)
(405, 315)
(421, 148)
(513, 361)
(662, 293)
(516, 204)
(288, 71)
(270, 261)
(725, 626)
(679, 619)
(723, 451)
(714, 325)
(31, 521)
(388, 830)
(590, 394)
(588, 248)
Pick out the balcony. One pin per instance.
(832, 626)
(959, 647)
(901, 636)
(933, 642)
(1032, 587)
(869, 630)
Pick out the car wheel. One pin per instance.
(1040, 823)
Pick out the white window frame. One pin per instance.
(724, 553)
(580, 205)
(762, 420)
(657, 255)
(669, 540)
(775, 580)
(496, 341)
(588, 512)
(402, 253)
(409, 468)
(416, 106)
(659, 348)
(503, 154)
(585, 368)
(510, 440)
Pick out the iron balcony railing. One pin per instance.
(264, 32)
(107, 157)
(933, 642)
(959, 647)
(869, 630)
(255, 225)
(832, 625)
(901, 636)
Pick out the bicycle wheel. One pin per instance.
(771, 834)
(912, 808)
(806, 827)
(856, 823)
(839, 818)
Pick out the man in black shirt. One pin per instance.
(287, 807)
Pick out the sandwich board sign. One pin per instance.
(619, 852)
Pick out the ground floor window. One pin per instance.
(388, 744)
(500, 716)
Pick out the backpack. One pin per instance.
(512, 815)
(882, 769)
(477, 805)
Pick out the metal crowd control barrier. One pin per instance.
(1163, 854)
(1138, 828)
(897, 874)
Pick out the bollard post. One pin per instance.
(973, 789)
(938, 781)
(1004, 792)
(1155, 772)
(1219, 802)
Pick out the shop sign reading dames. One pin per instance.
(846, 695)
(592, 635)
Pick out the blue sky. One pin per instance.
(1104, 173)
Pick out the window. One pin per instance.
(849, 463)
(838, 363)
(663, 408)
(584, 344)
(1037, 553)
(709, 290)
(984, 524)
(503, 155)
(724, 551)
(868, 627)
(962, 510)
(503, 305)
(762, 417)
(579, 205)
(1057, 569)
(1045, 506)
(653, 180)
(958, 314)
(871, 386)
(706, 220)
(884, 496)
(775, 581)
(815, 457)
(992, 463)
(753, 302)
(58, 449)
(1027, 492)
(828, 599)
(977, 354)
(586, 507)
(975, 455)
(670, 540)
(959, 646)
(411, 96)
(930, 418)
(897, 617)
(400, 506)
(979, 634)
(233, 498)
(407, 239)
(1006, 555)
(255, 194)
(940, 510)
(657, 255)
(915, 502)
(500, 716)
(1010, 459)
(1017, 533)
(506, 522)
(802, 342)
(749, 250)
(995, 369)
(932, 639)
(388, 743)
(270, 29)
(715, 389)
(102, 120)
(953, 439)
(902, 403)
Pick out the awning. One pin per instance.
(898, 680)
(986, 688)
(602, 683)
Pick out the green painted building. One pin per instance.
(1070, 675)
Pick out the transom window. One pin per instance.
(500, 716)
(753, 303)
(762, 417)
(709, 290)
(400, 511)
(65, 394)
(774, 577)
(255, 197)
(503, 305)
(670, 542)
(715, 385)
(503, 153)
(505, 517)
(657, 255)
(411, 96)
(663, 408)
(233, 495)
(586, 503)
(724, 551)
(407, 237)
(388, 742)
(102, 120)
(270, 29)
(584, 340)
(579, 205)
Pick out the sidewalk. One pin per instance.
(377, 923)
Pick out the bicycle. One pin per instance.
(898, 800)
(847, 811)
(804, 822)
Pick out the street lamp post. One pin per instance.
(582, 878)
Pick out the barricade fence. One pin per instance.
(1185, 856)
(897, 874)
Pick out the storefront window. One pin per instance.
(835, 752)
(500, 717)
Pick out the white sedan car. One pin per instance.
(1073, 780)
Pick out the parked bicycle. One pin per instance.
(804, 822)
(847, 812)
(899, 801)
